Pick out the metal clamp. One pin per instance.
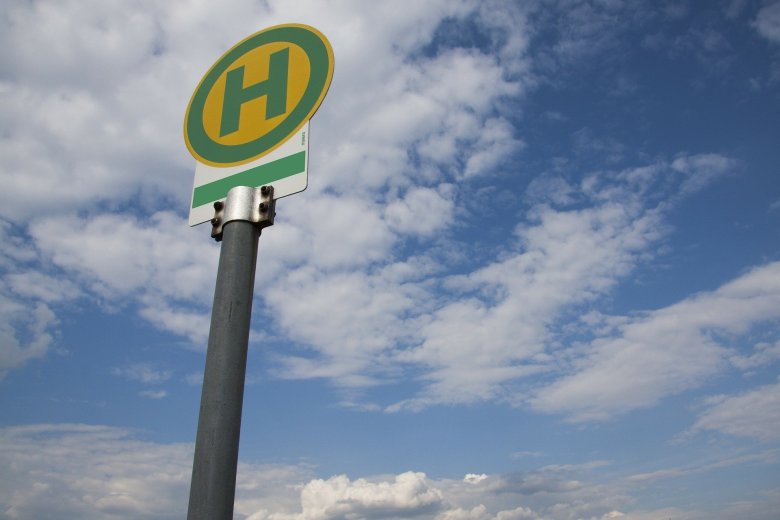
(256, 205)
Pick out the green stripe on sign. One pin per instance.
(257, 176)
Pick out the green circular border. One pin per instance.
(316, 47)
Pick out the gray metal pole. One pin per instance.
(237, 223)
(213, 487)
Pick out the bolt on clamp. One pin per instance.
(256, 205)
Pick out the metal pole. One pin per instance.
(213, 486)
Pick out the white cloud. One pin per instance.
(656, 514)
(403, 130)
(422, 211)
(701, 170)
(767, 22)
(518, 513)
(19, 322)
(36, 285)
(586, 142)
(119, 254)
(28, 324)
(388, 97)
(477, 513)
(414, 495)
(332, 232)
(495, 143)
(351, 318)
(153, 394)
(489, 335)
(179, 318)
(93, 472)
(142, 372)
(769, 456)
(763, 355)
(663, 352)
(754, 414)
(764, 507)
(95, 111)
(194, 378)
(472, 335)
(409, 494)
(524, 454)
(473, 478)
(586, 30)
(94, 97)
(159, 264)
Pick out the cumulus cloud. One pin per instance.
(75, 134)
(415, 495)
(95, 110)
(40, 286)
(120, 255)
(93, 94)
(336, 278)
(407, 495)
(360, 326)
(422, 211)
(154, 263)
(335, 275)
(95, 472)
(350, 318)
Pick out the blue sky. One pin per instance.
(535, 275)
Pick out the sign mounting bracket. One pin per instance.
(255, 205)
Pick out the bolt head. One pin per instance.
(219, 205)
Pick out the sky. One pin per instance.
(535, 273)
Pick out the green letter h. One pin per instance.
(274, 88)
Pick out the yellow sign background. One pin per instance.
(258, 94)
(255, 63)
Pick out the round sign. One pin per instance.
(258, 94)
